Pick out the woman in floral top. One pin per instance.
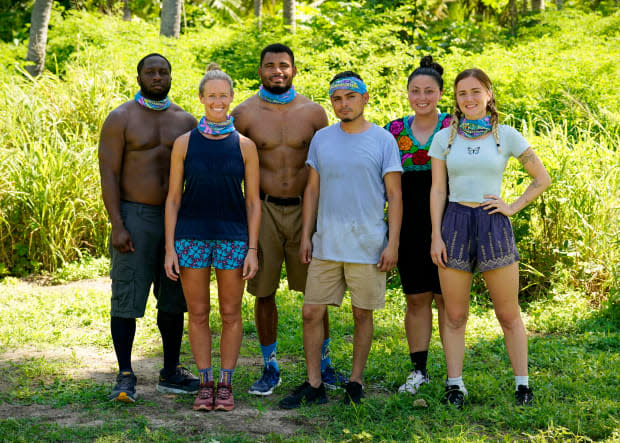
(418, 274)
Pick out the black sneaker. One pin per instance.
(353, 393)
(454, 396)
(304, 394)
(524, 396)
(125, 388)
(181, 381)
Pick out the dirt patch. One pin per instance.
(256, 417)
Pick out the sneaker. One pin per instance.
(304, 394)
(224, 400)
(353, 393)
(125, 388)
(182, 381)
(524, 395)
(413, 382)
(333, 379)
(204, 399)
(265, 384)
(455, 396)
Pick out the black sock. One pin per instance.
(419, 361)
(171, 329)
(123, 332)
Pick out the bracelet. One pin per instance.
(256, 249)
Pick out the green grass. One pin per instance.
(574, 361)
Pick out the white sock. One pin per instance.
(456, 381)
(521, 380)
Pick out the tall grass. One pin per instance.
(571, 234)
(50, 206)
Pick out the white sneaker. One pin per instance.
(413, 382)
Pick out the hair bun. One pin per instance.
(427, 62)
(213, 67)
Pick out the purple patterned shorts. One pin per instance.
(221, 254)
(473, 237)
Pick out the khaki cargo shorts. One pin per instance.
(327, 281)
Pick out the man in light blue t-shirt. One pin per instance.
(354, 167)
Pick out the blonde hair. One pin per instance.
(214, 72)
(479, 75)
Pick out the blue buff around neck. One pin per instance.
(280, 99)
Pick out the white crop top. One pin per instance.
(475, 168)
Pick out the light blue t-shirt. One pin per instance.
(475, 168)
(350, 220)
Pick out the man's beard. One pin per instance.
(348, 120)
(152, 95)
(277, 89)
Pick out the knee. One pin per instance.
(456, 318)
(418, 303)
(199, 316)
(361, 315)
(313, 313)
(510, 320)
(230, 314)
(265, 302)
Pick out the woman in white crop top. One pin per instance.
(473, 230)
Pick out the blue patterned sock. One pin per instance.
(269, 355)
(206, 375)
(226, 376)
(325, 358)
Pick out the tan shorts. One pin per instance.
(278, 242)
(328, 279)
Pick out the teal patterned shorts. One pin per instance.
(221, 254)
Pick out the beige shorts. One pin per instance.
(327, 281)
(278, 242)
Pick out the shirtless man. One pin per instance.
(281, 123)
(134, 163)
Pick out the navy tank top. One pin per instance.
(212, 206)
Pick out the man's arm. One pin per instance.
(389, 256)
(240, 123)
(308, 214)
(111, 149)
(319, 117)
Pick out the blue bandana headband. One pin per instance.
(216, 128)
(475, 128)
(351, 83)
(280, 99)
(156, 105)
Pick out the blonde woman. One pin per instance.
(211, 223)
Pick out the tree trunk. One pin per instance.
(513, 15)
(37, 40)
(524, 7)
(171, 18)
(538, 5)
(126, 11)
(258, 13)
(289, 14)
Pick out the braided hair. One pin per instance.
(479, 75)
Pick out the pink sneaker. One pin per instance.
(224, 400)
(204, 399)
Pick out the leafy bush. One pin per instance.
(545, 79)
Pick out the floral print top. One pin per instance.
(413, 155)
